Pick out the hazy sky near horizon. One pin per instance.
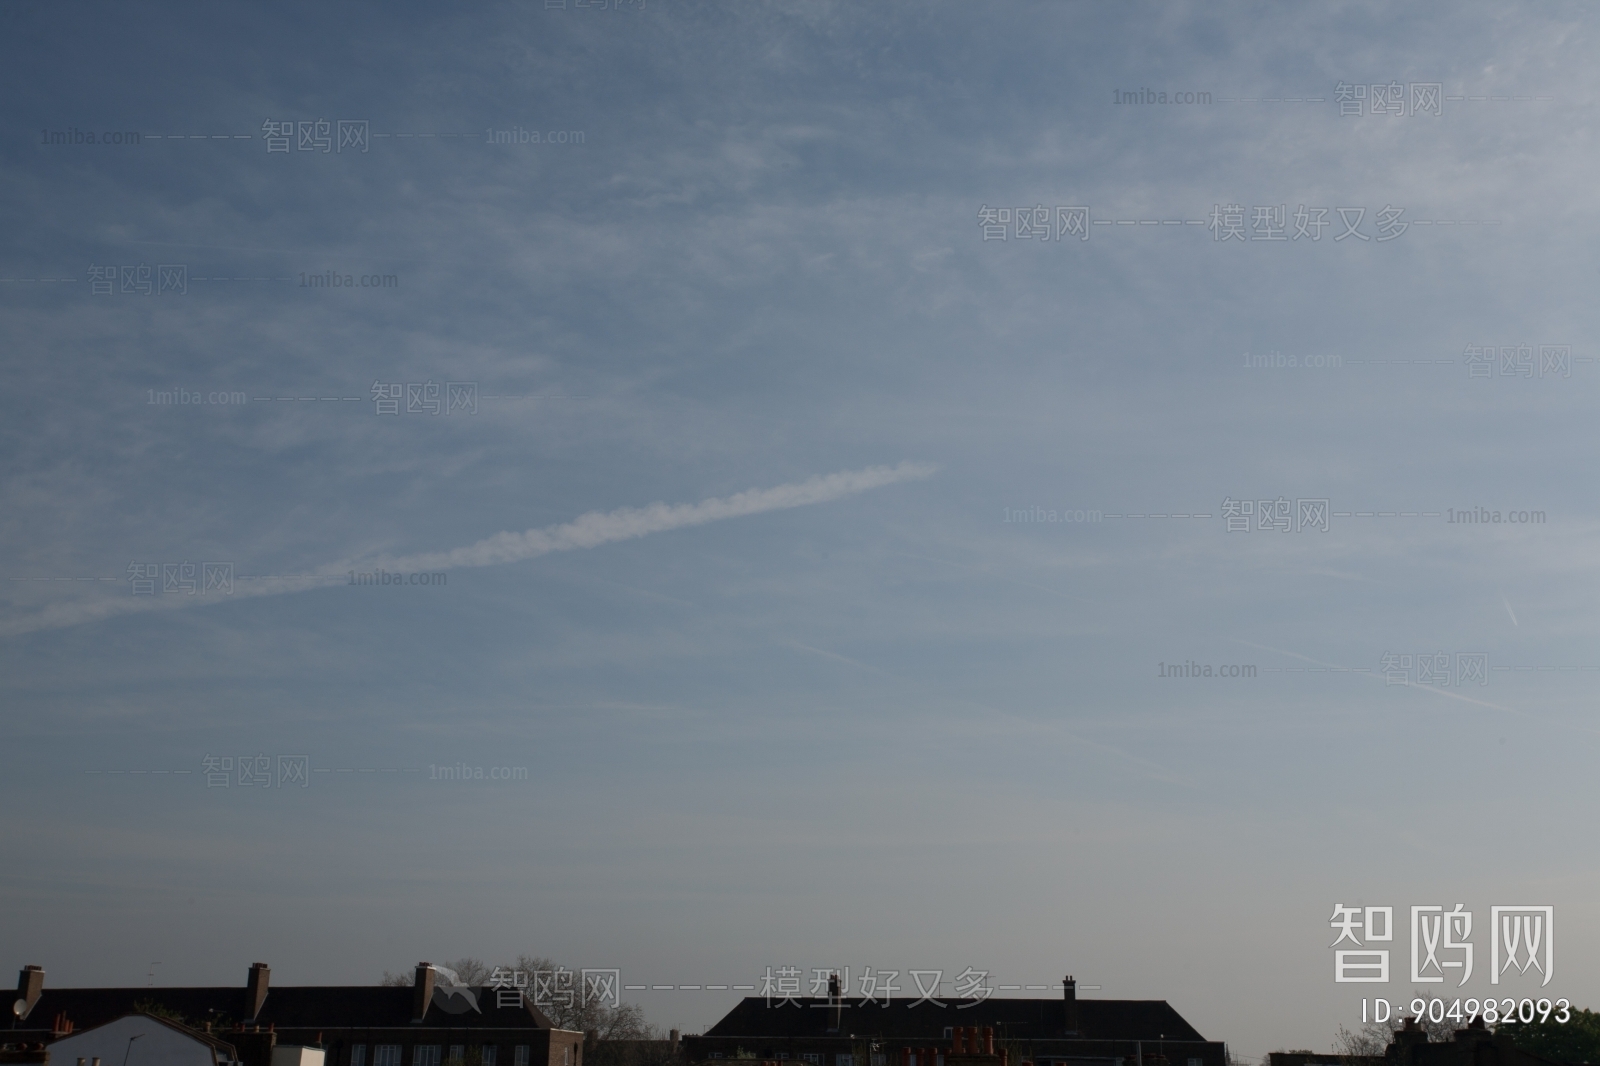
(810, 558)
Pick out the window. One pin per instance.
(520, 1056)
(879, 1059)
(425, 1055)
(489, 1054)
(386, 1055)
(458, 1054)
(812, 1057)
(1194, 1062)
(358, 1055)
(845, 1059)
(948, 1032)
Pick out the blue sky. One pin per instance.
(857, 717)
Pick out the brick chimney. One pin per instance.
(422, 992)
(1411, 1033)
(30, 985)
(253, 1046)
(255, 989)
(1069, 991)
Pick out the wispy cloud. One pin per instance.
(586, 531)
(605, 527)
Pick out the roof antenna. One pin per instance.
(152, 975)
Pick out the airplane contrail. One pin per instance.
(588, 530)
(604, 527)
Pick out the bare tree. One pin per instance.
(621, 1025)
(1371, 1039)
(471, 971)
(1266, 1060)
(1374, 1038)
(587, 1013)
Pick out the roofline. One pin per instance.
(407, 989)
(858, 1036)
(967, 999)
(945, 1001)
(332, 1028)
(200, 1035)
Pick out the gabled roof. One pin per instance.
(221, 1050)
(286, 1007)
(1017, 1019)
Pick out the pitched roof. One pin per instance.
(141, 1023)
(1098, 1019)
(286, 1007)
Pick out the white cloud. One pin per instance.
(604, 527)
(586, 531)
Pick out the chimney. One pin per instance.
(253, 1046)
(835, 1003)
(421, 992)
(30, 985)
(255, 987)
(1069, 990)
(988, 1040)
(673, 1037)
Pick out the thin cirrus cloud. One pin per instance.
(605, 527)
(586, 531)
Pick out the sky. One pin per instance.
(700, 488)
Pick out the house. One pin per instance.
(431, 1023)
(1475, 1045)
(992, 1031)
(142, 1040)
